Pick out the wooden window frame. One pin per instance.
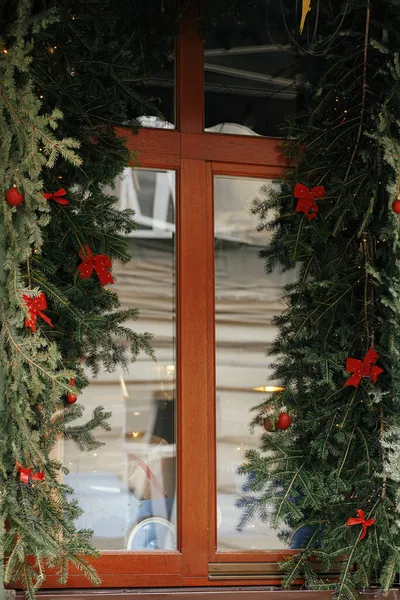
(196, 156)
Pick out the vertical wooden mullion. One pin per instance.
(211, 366)
(189, 78)
(193, 279)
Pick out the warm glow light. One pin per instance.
(135, 434)
(269, 388)
(136, 413)
(170, 369)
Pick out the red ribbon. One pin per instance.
(27, 474)
(306, 197)
(100, 263)
(58, 197)
(365, 368)
(35, 307)
(361, 521)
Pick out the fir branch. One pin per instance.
(49, 374)
(364, 89)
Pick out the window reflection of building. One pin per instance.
(246, 301)
(127, 487)
(250, 82)
(249, 73)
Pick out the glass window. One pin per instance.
(246, 300)
(158, 93)
(161, 94)
(127, 487)
(250, 82)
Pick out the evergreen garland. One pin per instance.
(341, 453)
(61, 56)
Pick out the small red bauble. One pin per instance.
(71, 398)
(396, 206)
(13, 197)
(94, 139)
(284, 421)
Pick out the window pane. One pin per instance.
(250, 82)
(246, 301)
(160, 92)
(127, 488)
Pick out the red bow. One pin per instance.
(100, 263)
(306, 197)
(27, 474)
(58, 197)
(361, 521)
(35, 307)
(365, 368)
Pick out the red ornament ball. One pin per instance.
(71, 398)
(396, 206)
(13, 197)
(284, 421)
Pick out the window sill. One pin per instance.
(227, 593)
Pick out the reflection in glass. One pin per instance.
(250, 81)
(160, 95)
(127, 488)
(245, 302)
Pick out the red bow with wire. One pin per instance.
(27, 474)
(100, 263)
(361, 521)
(35, 306)
(306, 199)
(365, 368)
(58, 197)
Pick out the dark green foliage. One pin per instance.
(97, 59)
(341, 453)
